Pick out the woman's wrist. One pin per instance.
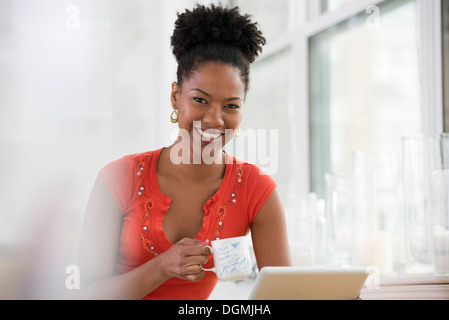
(155, 269)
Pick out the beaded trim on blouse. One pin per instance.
(147, 244)
(232, 201)
(149, 206)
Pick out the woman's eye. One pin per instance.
(232, 106)
(199, 100)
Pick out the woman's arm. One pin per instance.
(269, 234)
(98, 253)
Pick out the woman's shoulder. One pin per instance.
(256, 184)
(251, 171)
(120, 176)
(127, 166)
(133, 159)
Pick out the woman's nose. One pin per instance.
(213, 117)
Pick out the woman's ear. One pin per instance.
(175, 91)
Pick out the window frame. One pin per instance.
(445, 60)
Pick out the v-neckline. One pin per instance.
(221, 192)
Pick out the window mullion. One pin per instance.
(431, 66)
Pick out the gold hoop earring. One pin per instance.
(174, 116)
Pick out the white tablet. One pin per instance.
(293, 283)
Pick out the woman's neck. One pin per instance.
(191, 170)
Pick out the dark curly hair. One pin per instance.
(215, 34)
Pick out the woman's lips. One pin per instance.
(208, 134)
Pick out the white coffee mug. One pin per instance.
(232, 259)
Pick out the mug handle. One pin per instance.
(212, 269)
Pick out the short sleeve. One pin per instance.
(118, 176)
(259, 188)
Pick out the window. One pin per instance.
(363, 76)
(273, 17)
(364, 86)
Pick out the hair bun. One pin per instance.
(216, 24)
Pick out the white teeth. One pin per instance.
(207, 135)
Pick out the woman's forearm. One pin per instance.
(133, 285)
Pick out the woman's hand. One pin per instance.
(184, 259)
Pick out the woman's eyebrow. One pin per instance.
(210, 96)
(203, 92)
(235, 98)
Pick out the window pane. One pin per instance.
(331, 5)
(273, 17)
(365, 89)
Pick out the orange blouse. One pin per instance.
(132, 181)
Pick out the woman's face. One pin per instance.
(209, 104)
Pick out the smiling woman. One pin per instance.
(149, 218)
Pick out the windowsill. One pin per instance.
(431, 287)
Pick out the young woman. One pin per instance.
(150, 215)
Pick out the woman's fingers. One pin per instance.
(196, 260)
(186, 258)
(192, 270)
(186, 242)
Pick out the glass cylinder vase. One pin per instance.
(420, 157)
(440, 190)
